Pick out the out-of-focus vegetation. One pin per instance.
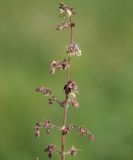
(104, 73)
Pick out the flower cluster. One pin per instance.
(60, 65)
(45, 91)
(50, 149)
(73, 49)
(65, 25)
(46, 124)
(65, 10)
(52, 100)
(71, 87)
(66, 130)
(83, 131)
(73, 151)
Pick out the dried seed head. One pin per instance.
(74, 49)
(50, 149)
(71, 87)
(45, 91)
(65, 25)
(65, 10)
(60, 65)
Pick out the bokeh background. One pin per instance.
(104, 73)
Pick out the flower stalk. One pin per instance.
(70, 91)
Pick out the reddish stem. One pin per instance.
(67, 98)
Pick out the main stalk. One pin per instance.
(67, 99)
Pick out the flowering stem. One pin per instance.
(70, 89)
(71, 31)
(69, 56)
(67, 98)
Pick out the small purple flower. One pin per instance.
(65, 25)
(70, 87)
(44, 90)
(48, 125)
(82, 131)
(50, 149)
(66, 130)
(74, 49)
(65, 10)
(60, 65)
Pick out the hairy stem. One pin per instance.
(67, 98)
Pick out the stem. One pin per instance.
(67, 98)
(69, 56)
(71, 37)
(59, 102)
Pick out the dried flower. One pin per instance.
(91, 136)
(50, 149)
(75, 103)
(52, 101)
(37, 129)
(74, 49)
(71, 87)
(65, 10)
(73, 151)
(66, 130)
(48, 125)
(61, 65)
(45, 91)
(53, 65)
(82, 131)
(65, 25)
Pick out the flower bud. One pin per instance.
(66, 130)
(70, 87)
(91, 136)
(82, 131)
(37, 130)
(65, 25)
(74, 49)
(73, 151)
(48, 125)
(65, 10)
(60, 65)
(45, 91)
(50, 149)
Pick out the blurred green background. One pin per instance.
(104, 73)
